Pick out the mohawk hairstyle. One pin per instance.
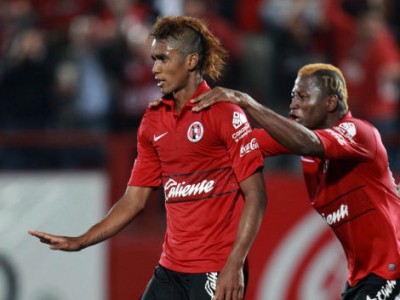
(195, 37)
(332, 80)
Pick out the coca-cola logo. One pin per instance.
(174, 189)
(308, 264)
(249, 147)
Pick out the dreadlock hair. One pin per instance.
(331, 81)
(194, 37)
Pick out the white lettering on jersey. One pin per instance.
(173, 189)
(348, 130)
(307, 159)
(385, 291)
(211, 283)
(238, 119)
(249, 147)
(337, 136)
(336, 216)
(238, 135)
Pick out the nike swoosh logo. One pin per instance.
(157, 137)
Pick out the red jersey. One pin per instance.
(199, 158)
(353, 190)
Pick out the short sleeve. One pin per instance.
(146, 169)
(269, 147)
(236, 134)
(353, 139)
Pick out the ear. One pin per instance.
(192, 61)
(332, 103)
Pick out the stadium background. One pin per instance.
(75, 77)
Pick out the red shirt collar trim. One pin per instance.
(203, 87)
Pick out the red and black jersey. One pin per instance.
(199, 158)
(353, 190)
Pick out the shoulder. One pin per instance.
(154, 111)
(356, 128)
(351, 132)
(225, 105)
(226, 109)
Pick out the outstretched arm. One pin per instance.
(230, 283)
(293, 136)
(123, 212)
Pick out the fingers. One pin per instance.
(217, 94)
(46, 238)
(228, 294)
(229, 291)
(40, 235)
(155, 103)
(205, 100)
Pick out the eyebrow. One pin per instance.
(158, 56)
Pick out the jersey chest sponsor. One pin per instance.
(182, 190)
(199, 185)
(347, 207)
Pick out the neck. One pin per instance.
(333, 119)
(182, 95)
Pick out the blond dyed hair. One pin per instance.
(331, 78)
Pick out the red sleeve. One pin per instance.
(146, 169)
(268, 145)
(236, 134)
(353, 139)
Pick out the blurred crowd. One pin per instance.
(85, 64)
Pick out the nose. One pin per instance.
(294, 103)
(156, 67)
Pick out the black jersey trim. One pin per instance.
(203, 198)
(195, 173)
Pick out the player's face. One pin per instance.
(309, 105)
(170, 67)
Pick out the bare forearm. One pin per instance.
(103, 230)
(124, 211)
(295, 137)
(251, 218)
(120, 215)
(247, 231)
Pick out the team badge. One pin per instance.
(350, 128)
(195, 132)
(238, 119)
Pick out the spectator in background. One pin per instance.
(392, 14)
(26, 93)
(230, 37)
(127, 58)
(292, 27)
(56, 16)
(15, 17)
(82, 79)
(168, 7)
(246, 49)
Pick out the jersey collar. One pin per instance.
(203, 87)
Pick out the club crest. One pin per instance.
(195, 132)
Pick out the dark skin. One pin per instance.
(310, 109)
(177, 75)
